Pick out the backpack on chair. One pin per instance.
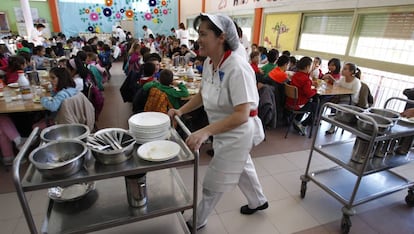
(157, 101)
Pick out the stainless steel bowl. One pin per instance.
(347, 117)
(390, 114)
(59, 158)
(65, 131)
(364, 125)
(112, 155)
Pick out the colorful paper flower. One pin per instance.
(90, 29)
(109, 2)
(165, 12)
(87, 11)
(97, 29)
(94, 16)
(156, 11)
(129, 13)
(122, 10)
(98, 9)
(155, 21)
(164, 3)
(107, 12)
(118, 15)
(152, 3)
(148, 16)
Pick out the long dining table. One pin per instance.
(18, 104)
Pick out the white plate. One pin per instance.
(157, 151)
(13, 85)
(149, 119)
(407, 120)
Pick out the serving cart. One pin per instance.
(108, 206)
(354, 183)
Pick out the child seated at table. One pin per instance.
(148, 71)
(166, 80)
(15, 63)
(39, 59)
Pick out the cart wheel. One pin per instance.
(303, 189)
(409, 199)
(345, 224)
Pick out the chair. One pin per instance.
(292, 92)
(157, 101)
(365, 97)
(77, 109)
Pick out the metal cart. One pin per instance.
(108, 207)
(353, 183)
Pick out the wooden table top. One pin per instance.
(18, 104)
(334, 90)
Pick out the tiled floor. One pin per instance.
(279, 163)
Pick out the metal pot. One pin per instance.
(381, 148)
(65, 131)
(136, 187)
(59, 158)
(347, 117)
(110, 155)
(366, 126)
(360, 151)
(390, 114)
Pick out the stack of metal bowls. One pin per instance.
(59, 158)
(65, 131)
(111, 145)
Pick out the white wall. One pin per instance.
(189, 9)
(297, 5)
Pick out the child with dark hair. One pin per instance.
(155, 59)
(104, 56)
(63, 87)
(98, 72)
(292, 63)
(166, 80)
(279, 74)
(272, 57)
(148, 70)
(39, 59)
(305, 93)
(15, 63)
(254, 62)
(334, 73)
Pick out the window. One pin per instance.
(191, 31)
(385, 37)
(326, 33)
(245, 23)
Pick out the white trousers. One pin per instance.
(248, 183)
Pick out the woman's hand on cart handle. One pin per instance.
(196, 139)
(174, 112)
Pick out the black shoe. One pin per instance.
(190, 228)
(247, 211)
(210, 152)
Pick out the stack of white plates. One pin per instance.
(149, 126)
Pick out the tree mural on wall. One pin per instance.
(279, 29)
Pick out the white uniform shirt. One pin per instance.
(183, 35)
(232, 84)
(355, 86)
(120, 34)
(36, 37)
(147, 33)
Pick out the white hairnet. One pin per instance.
(226, 24)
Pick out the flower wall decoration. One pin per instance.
(101, 17)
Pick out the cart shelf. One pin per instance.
(94, 170)
(400, 129)
(340, 183)
(375, 164)
(108, 207)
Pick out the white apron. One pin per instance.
(237, 85)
